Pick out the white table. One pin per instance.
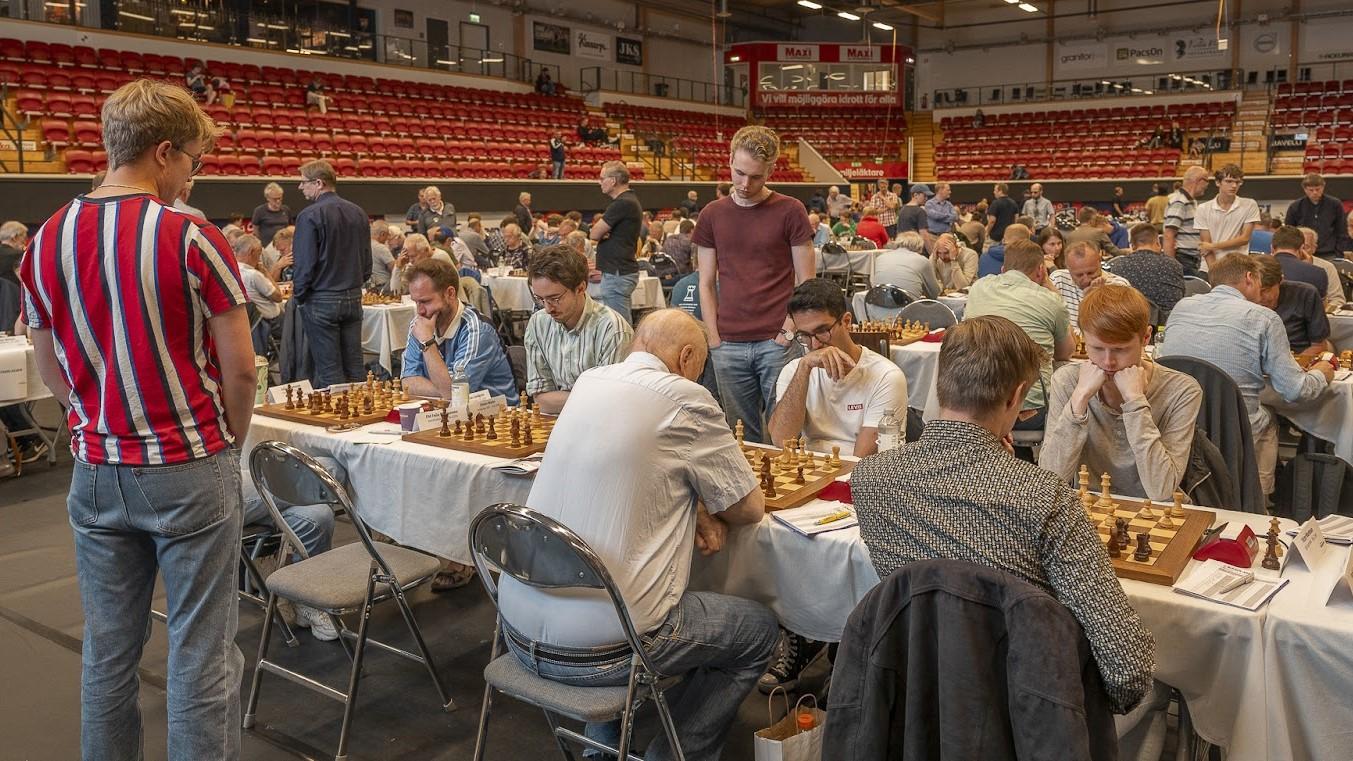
(1214, 654)
(32, 390)
(860, 262)
(1329, 417)
(385, 330)
(420, 496)
(1341, 330)
(920, 363)
(514, 293)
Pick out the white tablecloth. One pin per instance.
(421, 496)
(1329, 417)
(860, 261)
(33, 387)
(1213, 653)
(1341, 331)
(514, 293)
(385, 330)
(919, 362)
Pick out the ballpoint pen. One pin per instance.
(842, 515)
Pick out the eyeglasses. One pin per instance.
(821, 334)
(197, 160)
(551, 301)
(307, 182)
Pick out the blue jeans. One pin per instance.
(746, 372)
(617, 292)
(313, 524)
(1190, 262)
(333, 329)
(721, 644)
(183, 520)
(558, 169)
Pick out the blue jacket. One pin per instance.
(992, 261)
(475, 345)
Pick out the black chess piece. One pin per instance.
(1143, 552)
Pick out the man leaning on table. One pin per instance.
(960, 493)
(668, 469)
(571, 332)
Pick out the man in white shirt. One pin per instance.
(667, 470)
(1225, 222)
(836, 393)
(1083, 272)
(262, 291)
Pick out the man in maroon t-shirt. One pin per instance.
(754, 246)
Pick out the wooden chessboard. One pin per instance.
(787, 493)
(501, 446)
(384, 398)
(1171, 548)
(898, 333)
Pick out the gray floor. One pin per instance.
(397, 718)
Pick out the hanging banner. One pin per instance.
(629, 52)
(826, 99)
(592, 45)
(1082, 55)
(550, 38)
(871, 170)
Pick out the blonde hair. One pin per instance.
(761, 143)
(144, 113)
(286, 233)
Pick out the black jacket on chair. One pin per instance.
(947, 660)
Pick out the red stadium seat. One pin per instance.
(345, 167)
(59, 104)
(291, 165)
(211, 165)
(56, 132)
(88, 133)
(272, 166)
(85, 56)
(85, 106)
(62, 54)
(79, 162)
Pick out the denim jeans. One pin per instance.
(1190, 262)
(721, 644)
(557, 169)
(333, 329)
(746, 372)
(183, 520)
(617, 292)
(313, 524)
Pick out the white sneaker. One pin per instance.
(318, 622)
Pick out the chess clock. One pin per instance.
(1238, 547)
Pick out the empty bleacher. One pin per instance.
(699, 137)
(1324, 112)
(1109, 142)
(844, 136)
(373, 128)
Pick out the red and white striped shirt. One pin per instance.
(126, 285)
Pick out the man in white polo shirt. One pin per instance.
(1225, 222)
(835, 394)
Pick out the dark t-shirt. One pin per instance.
(911, 219)
(615, 254)
(1302, 309)
(753, 248)
(1003, 210)
(267, 222)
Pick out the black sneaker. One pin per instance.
(33, 451)
(798, 652)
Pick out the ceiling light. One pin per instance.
(1136, 89)
(791, 67)
(734, 58)
(883, 26)
(129, 14)
(1106, 82)
(848, 16)
(448, 63)
(1012, 2)
(490, 60)
(1148, 92)
(810, 4)
(1027, 8)
(255, 40)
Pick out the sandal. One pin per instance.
(454, 577)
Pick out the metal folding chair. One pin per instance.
(886, 297)
(1196, 285)
(541, 552)
(935, 313)
(347, 579)
(1345, 268)
(834, 265)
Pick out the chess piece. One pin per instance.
(1088, 502)
(493, 431)
(327, 404)
(835, 460)
(527, 437)
(445, 432)
(1165, 521)
(1124, 538)
(469, 430)
(1105, 501)
(738, 432)
(1273, 529)
(290, 404)
(1146, 512)
(456, 431)
(479, 424)
(798, 478)
(1084, 479)
(515, 428)
(1177, 510)
(1115, 549)
(1271, 552)
(1143, 552)
(366, 405)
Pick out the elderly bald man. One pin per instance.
(1083, 272)
(666, 469)
(1183, 239)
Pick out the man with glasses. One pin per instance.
(332, 255)
(1182, 236)
(1226, 222)
(571, 333)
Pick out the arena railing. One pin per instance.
(637, 82)
(1016, 93)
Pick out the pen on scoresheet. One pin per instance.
(834, 517)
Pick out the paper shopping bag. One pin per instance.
(784, 740)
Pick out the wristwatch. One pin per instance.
(428, 344)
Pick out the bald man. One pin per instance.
(667, 469)
(1183, 239)
(1083, 272)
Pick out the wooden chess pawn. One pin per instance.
(798, 478)
(1146, 511)
(479, 424)
(1177, 510)
(527, 437)
(456, 431)
(1165, 521)
(835, 460)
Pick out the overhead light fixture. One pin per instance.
(910, 59)
(848, 16)
(883, 26)
(448, 63)
(255, 40)
(129, 14)
(175, 11)
(734, 58)
(1013, 2)
(1027, 8)
(491, 60)
(791, 67)
(1106, 83)
(1147, 92)
(1136, 89)
(811, 5)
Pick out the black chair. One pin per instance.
(1194, 286)
(888, 298)
(348, 579)
(1312, 485)
(929, 311)
(538, 551)
(516, 357)
(1223, 416)
(834, 265)
(1345, 268)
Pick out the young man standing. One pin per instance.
(617, 236)
(157, 374)
(1226, 222)
(754, 246)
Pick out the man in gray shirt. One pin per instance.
(906, 266)
(1038, 207)
(382, 261)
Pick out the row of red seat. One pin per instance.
(1328, 166)
(996, 174)
(1308, 88)
(1156, 113)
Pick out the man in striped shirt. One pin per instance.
(139, 329)
(572, 333)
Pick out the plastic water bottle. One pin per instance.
(1160, 335)
(460, 388)
(889, 431)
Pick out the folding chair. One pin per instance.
(541, 552)
(929, 311)
(887, 297)
(347, 579)
(1196, 285)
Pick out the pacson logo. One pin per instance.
(1074, 57)
(1126, 53)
